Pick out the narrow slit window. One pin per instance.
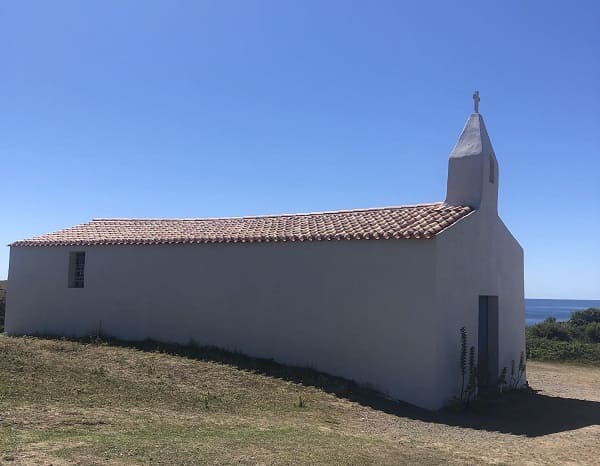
(492, 170)
(76, 269)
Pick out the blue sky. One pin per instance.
(223, 108)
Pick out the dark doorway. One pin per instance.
(487, 348)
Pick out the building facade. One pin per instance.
(374, 295)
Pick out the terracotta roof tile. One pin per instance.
(405, 222)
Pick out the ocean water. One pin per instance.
(537, 310)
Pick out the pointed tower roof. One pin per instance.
(474, 139)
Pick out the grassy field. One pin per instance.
(64, 402)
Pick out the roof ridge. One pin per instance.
(194, 219)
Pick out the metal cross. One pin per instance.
(476, 100)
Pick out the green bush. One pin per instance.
(570, 351)
(550, 330)
(592, 332)
(585, 317)
(577, 340)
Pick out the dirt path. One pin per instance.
(559, 425)
(567, 381)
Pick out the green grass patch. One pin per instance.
(96, 403)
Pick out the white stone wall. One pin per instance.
(478, 256)
(359, 309)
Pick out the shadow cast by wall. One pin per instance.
(528, 413)
(523, 412)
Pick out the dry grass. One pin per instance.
(65, 402)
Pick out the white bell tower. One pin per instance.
(473, 168)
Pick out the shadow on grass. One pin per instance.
(523, 412)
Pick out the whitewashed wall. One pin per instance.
(478, 256)
(359, 309)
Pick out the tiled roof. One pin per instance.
(406, 222)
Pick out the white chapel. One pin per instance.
(373, 295)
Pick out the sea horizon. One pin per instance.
(539, 309)
(568, 299)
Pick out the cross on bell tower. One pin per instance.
(476, 100)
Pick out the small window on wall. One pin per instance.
(492, 170)
(76, 269)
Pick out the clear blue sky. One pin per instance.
(223, 108)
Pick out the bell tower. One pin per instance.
(473, 169)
